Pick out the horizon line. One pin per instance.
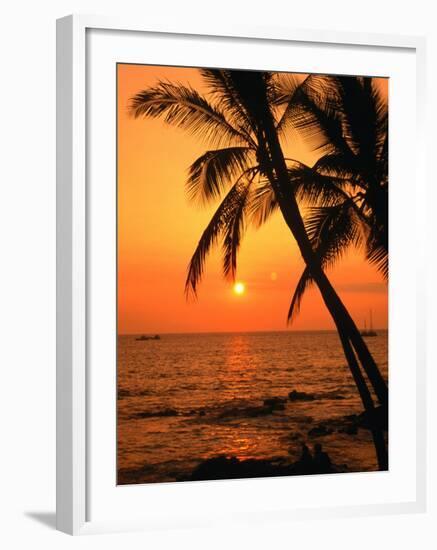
(236, 331)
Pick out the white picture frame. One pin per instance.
(74, 464)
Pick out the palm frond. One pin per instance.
(317, 117)
(377, 247)
(262, 204)
(304, 282)
(184, 107)
(251, 88)
(288, 93)
(282, 87)
(332, 230)
(382, 167)
(361, 106)
(209, 175)
(222, 89)
(382, 139)
(234, 230)
(338, 166)
(225, 214)
(378, 256)
(314, 188)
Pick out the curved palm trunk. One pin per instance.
(290, 211)
(347, 330)
(351, 339)
(366, 398)
(338, 310)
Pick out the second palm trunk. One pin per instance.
(352, 342)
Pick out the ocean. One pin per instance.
(189, 397)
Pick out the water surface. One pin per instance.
(182, 399)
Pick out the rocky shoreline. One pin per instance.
(311, 432)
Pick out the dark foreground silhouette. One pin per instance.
(222, 467)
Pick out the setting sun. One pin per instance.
(239, 288)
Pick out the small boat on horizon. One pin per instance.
(143, 337)
(368, 332)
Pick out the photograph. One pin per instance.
(252, 274)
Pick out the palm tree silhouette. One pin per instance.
(347, 187)
(242, 118)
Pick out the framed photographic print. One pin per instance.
(240, 333)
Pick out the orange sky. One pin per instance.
(158, 230)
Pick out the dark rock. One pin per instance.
(257, 411)
(295, 395)
(274, 402)
(351, 430)
(151, 414)
(246, 411)
(196, 412)
(223, 467)
(303, 419)
(321, 460)
(320, 430)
